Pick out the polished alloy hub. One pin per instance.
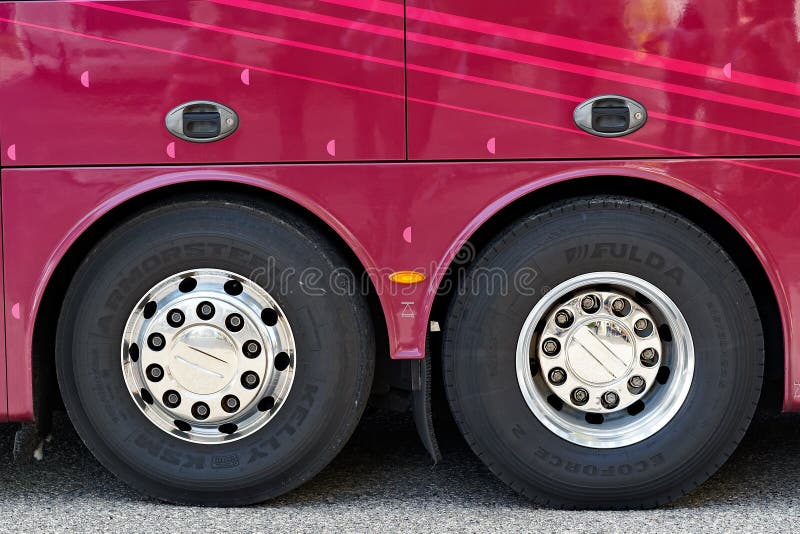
(208, 356)
(593, 361)
(605, 359)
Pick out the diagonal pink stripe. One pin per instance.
(312, 17)
(574, 45)
(237, 33)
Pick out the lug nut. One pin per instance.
(609, 400)
(156, 341)
(251, 348)
(579, 396)
(200, 410)
(590, 303)
(230, 403)
(636, 384)
(234, 322)
(175, 318)
(250, 380)
(564, 319)
(172, 399)
(643, 327)
(649, 357)
(557, 376)
(551, 346)
(620, 307)
(205, 310)
(154, 372)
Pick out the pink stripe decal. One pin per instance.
(312, 17)
(239, 33)
(381, 93)
(419, 68)
(572, 44)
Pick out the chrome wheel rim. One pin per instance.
(606, 373)
(208, 356)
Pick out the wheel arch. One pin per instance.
(705, 211)
(64, 262)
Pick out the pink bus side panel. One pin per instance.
(91, 83)
(501, 79)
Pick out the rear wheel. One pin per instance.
(203, 357)
(623, 374)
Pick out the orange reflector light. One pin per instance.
(407, 277)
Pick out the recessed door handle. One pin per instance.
(201, 121)
(610, 115)
(201, 124)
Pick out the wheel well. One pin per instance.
(45, 389)
(691, 208)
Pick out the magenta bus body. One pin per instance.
(403, 127)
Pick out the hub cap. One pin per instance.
(208, 356)
(605, 360)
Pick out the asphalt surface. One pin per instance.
(383, 481)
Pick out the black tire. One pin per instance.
(333, 334)
(480, 340)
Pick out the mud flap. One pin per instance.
(422, 406)
(29, 443)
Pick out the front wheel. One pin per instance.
(203, 357)
(624, 375)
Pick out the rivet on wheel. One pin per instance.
(200, 410)
(609, 400)
(643, 327)
(234, 322)
(251, 348)
(230, 403)
(156, 341)
(590, 303)
(564, 318)
(172, 399)
(579, 396)
(621, 307)
(154, 372)
(250, 380)
(175, 318)
(649, 357)
(205, 310)
(557, 376)
(551, 346)
(636, 384)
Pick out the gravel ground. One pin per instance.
(383, 481)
